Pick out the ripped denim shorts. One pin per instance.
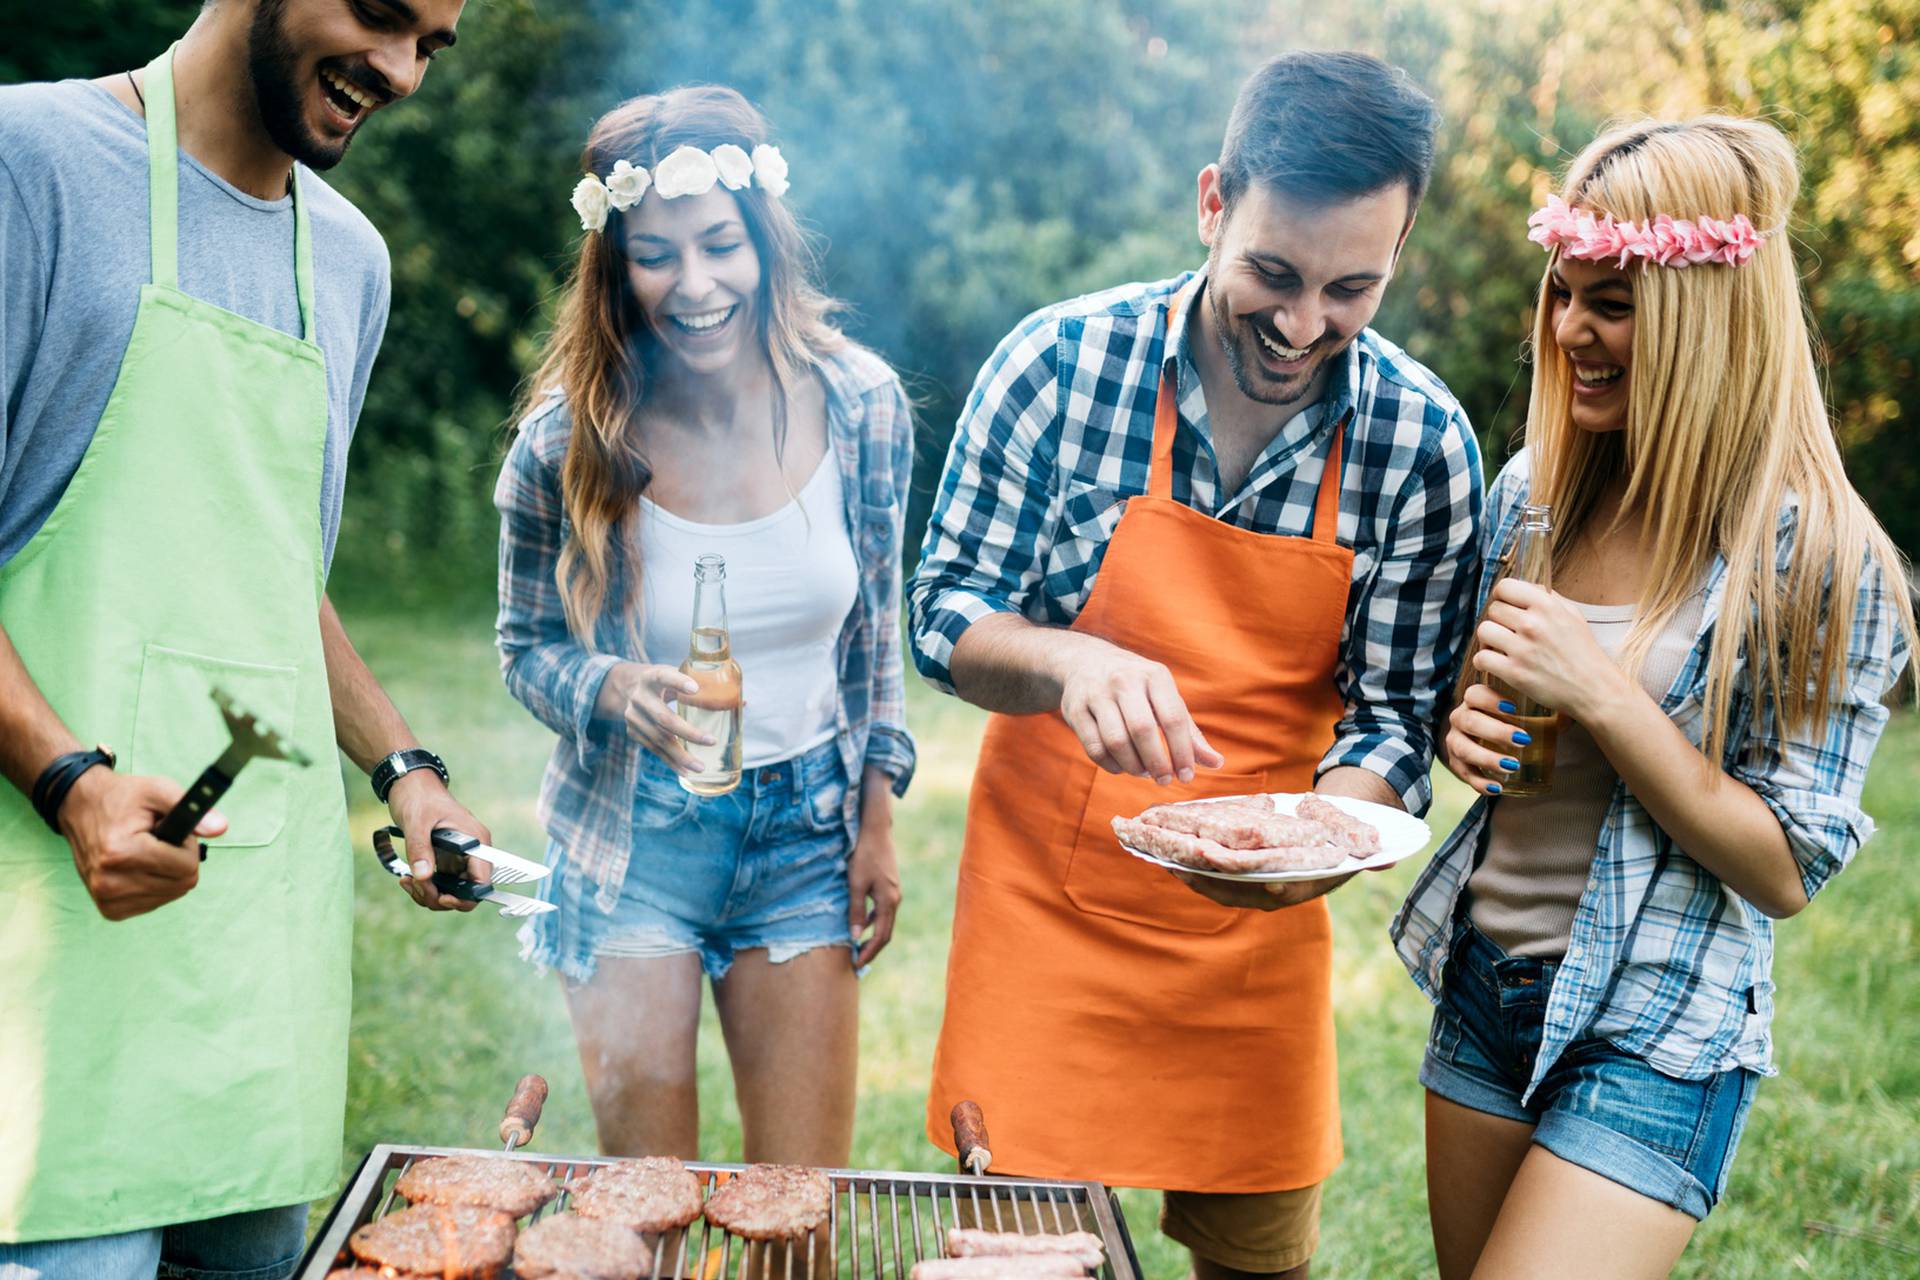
(763, 866)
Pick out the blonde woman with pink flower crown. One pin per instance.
(1724, 620)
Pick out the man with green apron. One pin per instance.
(187, 317)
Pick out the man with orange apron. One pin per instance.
(1207, 536)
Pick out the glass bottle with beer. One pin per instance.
(715, 709)
(1531, 560)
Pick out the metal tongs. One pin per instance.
(452, 876)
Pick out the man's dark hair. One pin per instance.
(1328, 127)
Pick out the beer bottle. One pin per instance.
(1530, 560)
(715, 709)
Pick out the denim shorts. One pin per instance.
(1599, 1107)
(763, 866)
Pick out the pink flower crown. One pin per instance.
(1667, 242)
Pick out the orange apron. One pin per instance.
(1113, 1023)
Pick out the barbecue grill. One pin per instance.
(880, 1225)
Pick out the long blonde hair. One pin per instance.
(1726, 424)
(598, 353)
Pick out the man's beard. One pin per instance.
(279, 90)
(1249, 373)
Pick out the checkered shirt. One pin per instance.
(1058, 431)
(586, 798)
(1664, 960)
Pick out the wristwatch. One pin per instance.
(51, 787)
(400, 763)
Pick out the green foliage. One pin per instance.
(966, 163)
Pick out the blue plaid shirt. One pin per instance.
(1664, 960)
(586, 798)
(1059, 431)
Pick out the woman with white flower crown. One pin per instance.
(694, 398)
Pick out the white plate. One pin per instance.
(1401, 836)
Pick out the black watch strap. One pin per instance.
(51, 787)
(401, 763)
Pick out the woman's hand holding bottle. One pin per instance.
(1540, 645)
(639, 694)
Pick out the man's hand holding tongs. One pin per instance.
(421, 804)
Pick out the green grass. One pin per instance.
(446, 1018)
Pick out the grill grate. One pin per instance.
(880, 1225)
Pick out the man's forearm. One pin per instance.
(1358, 784)
(31, 732)
(1005, 663)
(365, 721)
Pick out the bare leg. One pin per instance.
(1472, 1158)
(1567, 1222)
(636, 1024)
(793, 1032)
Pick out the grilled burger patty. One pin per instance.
(456, 1242)
(570, 1247)
(651, 1194)
(772, 1202)
(515, 1187)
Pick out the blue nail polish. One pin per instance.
(1509, 708)
(1493, 788)
(1521, 737)
(1509, 764)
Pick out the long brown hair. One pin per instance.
(598, 351)
(1726, 424)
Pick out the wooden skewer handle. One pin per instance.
(970, 1136)
(523, 1112)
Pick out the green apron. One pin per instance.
(192, 1061)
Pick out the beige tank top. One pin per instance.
(1540, 848)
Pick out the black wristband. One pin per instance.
(401, 763)
(51, 787)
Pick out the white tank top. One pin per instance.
(791, 582)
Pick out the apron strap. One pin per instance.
(163, 172)
(163, 196)
(1326, 504)
(303, 259)
(1166, 408)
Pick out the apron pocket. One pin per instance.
(1103, 879)
(178, 731)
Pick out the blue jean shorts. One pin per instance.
(1599, 1107)
(763, 866)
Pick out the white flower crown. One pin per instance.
(689, 171)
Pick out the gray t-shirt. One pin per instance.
(74, 253)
